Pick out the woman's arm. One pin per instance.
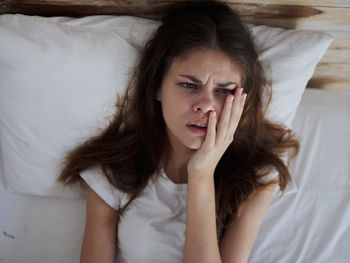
(239, 236)
(100, 231)
(201, 243)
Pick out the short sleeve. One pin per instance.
(95, 178)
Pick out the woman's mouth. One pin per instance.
(199, 129)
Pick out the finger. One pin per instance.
(241, 106)
(210, 137)
(237, 109)
(237, 104)
(224, 121)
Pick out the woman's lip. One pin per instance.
(202, 121)
(197, 130)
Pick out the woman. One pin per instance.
(184, 172)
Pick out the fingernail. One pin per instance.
(240, 90)
(214, 113)
(244, 96)
(231, 98)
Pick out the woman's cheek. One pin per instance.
(219, 106)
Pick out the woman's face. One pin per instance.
(195, 84)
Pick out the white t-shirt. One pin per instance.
(152, 228)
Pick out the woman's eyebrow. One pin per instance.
(192, 78)
(197, 81)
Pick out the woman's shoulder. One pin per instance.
(96, 179)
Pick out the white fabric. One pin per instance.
(95, 179)
(154, 223)
(290, 56)
(152, 229)
(60, 76)
(311, 225)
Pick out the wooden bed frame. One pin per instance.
(332, 16)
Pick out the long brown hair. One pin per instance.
(130, 149)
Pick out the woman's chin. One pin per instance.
(195, 145)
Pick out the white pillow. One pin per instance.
(60, 76)
(290, 56)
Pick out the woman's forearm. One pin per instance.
(201, 244)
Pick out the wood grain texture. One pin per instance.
(150, 8)
(334, 3)
(323, 15)
(324, 19)
(334, 77)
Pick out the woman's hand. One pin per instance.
(217, 139)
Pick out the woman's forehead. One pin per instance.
(203, 63)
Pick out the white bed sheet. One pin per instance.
(311, 225)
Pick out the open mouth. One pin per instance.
(198, 125)
(200, 129)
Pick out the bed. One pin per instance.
(46, 50)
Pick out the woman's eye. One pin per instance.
(188, 85)
(226, 91)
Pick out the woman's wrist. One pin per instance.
(196, 175)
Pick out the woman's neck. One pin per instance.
(176, 166)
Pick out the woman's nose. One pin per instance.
(204, 103)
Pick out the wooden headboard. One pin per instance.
(332, 16)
